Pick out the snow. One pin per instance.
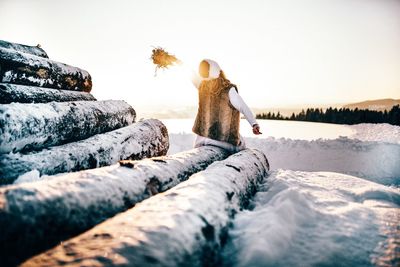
(381, 132)
(7, 76)
(317, 218)
(370, 151)
(31, 176)
(374, 161)
(298, 130)
(274, 128)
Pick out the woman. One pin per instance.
(218, 117)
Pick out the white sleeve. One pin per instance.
(238, 103)
(196, 79)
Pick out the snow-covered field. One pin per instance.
(369, 151)
(332, 198)
(317, 219)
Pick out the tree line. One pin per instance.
(339, 116)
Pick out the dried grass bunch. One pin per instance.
(163, 59)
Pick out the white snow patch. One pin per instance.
(300, 130)
(381, 132)
(376, 161)
(7, 76)
(317, 219)
(370, 151)
(31, 176)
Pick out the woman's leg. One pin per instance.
(204, 141)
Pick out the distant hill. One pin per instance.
(378, 105)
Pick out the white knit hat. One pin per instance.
(214, 69)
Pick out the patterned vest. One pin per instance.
(216, 117)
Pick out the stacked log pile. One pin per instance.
(143, 139)
(86, 198)
(50, 122)
(170, 210)
(186, 226)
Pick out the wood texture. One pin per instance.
(44, 212)
(33, 50)
(26, 127)
(10, 93)
(147, 138)
(26, 69)
(186, 226)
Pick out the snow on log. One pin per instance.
(10, 93)
(36, 126)
(185, 226)
(71, 203)
(21, 68)
(33, 50)
(148, 138)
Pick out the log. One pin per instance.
(147, 138)
(21, 68)
(25, 127)
(186, 226)
(10, 93)
(33, 50)
(72, 203)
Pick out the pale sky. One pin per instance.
(279, 53)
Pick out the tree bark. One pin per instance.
(72, 203)
(147, 138)
(186, 226)
(21, 68)
(26, 127)
(10, 93)
(33, 50)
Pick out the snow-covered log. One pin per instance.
(148, 138)
(10, 93)
(185, 226)
(36, 216)
(25, 127)
(33, 50)
(21, 68)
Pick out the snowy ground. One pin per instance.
(332, 198)
(317, 219)
(369, 151)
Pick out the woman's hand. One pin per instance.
(256, 129)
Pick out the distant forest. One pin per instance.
(340, 116)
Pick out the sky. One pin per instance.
(280, 53)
